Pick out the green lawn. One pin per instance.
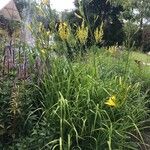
(140, 56)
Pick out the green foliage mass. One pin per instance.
(67, 109)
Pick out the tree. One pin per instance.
(139, 10)
(95, 12)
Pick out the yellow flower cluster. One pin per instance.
(41, 27)
(82, 33)
(43, 51)
(15, 101)
(48, 33)
(111, 101)
(45, 2)
(112, 49)
(43, 31)
(98, 34)
(63, 31)
(2, 32)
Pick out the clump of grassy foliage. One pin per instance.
(74, 96)
(69, 108)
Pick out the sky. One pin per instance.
(3, 3)
(61, 5)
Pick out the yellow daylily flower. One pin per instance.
(111, 101)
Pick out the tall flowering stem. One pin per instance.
(98, 34)
(63, 31)
(82, 33)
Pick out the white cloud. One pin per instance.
(3, 3)
(61, 5)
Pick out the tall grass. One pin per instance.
(74, 114)
(67, 109)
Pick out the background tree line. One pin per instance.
(123, 21)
